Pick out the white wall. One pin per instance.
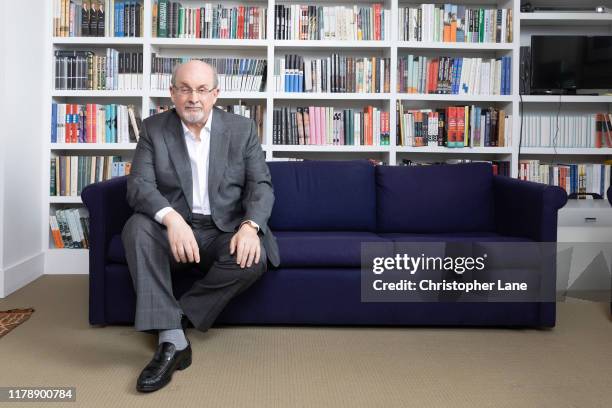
(23, 98)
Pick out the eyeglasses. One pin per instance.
(187, 91)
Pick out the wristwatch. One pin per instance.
(251, 223)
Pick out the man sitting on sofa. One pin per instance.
(202, 196)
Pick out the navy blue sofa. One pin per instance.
(323, 210)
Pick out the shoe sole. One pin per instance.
(181, 366)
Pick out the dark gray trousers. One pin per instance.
(151, 263)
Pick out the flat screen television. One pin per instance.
(565, 64)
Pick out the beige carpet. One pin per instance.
(568, 366)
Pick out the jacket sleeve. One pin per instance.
(142, 193)
(259, 195)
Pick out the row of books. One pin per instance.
(84, 70)
(455, 23)
(69, 228)
(234, 74)
(94, 123)
(499, 167)
(454, 126)
(573, 178)
(305, 22)
(70, 174)
(584, 130)
(335, 73)
(324, 125)
(173, 20)
(97, 18)
(455, 75)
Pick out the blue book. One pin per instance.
(54, 123)
(107, 123)
(300, 81)
(114, 123)
(116, 20)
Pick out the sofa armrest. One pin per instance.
(527, 209)
(108, 212)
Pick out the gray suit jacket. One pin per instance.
(239, 182)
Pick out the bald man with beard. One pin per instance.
(202, 195)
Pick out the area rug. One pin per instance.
(9, 319)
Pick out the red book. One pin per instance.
(74, 132)
(460, 120)
(240, 22)
(434, 85)
(451, 120)
(377, 21)
(89, 122)
(198, 16)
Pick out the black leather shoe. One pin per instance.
(158, 372)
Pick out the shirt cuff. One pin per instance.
(251, 221)
(159, 216)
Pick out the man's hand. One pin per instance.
(246, 242)
(181, 239)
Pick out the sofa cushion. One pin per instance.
(451, 237)
(323, 249)
(323, 196)
(436, 198)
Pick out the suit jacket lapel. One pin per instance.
(177, 149)
(219, 147)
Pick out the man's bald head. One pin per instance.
(194, 68)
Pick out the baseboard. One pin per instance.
(67, 262)
(22, 273)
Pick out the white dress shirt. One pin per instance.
(198, 151)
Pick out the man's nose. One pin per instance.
(193, 97)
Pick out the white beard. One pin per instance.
(194, 117)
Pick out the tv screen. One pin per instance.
(568, 63)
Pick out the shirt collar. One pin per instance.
(207, 126)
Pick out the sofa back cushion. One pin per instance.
(323, 195)
(435, 198)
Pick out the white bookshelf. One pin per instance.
(269, 48)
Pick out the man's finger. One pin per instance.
(181, 252)
(252, 253)
(240, 254)
(257, 254)
(196, 250)
(245, 254)
(233, 245)
(189, 251)
(175, 253)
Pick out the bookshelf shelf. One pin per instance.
(350, 44)
(204, 42)
(566, 151)
(97, 94)
(65, 200)
(567, 98)
(97, 40)
(459, 150)
(546, 18)
(333, 96)
(455, 46)
(93, 146)
(328, 148)
(455, 98)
